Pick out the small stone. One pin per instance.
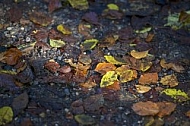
(27, 39)
(9, 28)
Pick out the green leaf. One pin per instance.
(84, 119)
(63, 29)
(144, 30)
(79, 4)
(6, 115)
(89, 44)
(56, 43)
(113, 7)
(176, 94)
(108, 79)
(112, 60)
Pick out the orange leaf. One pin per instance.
(148, 78)
(105, 67)
(166, 108)
(115, 86)
(188, 113)
(139, 55)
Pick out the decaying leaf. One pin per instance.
(144, 66)
(148, 78)
(89, 44)
(142, 88)
(113, 60)
(56, 43)
(85, 59)
(79, 4)
(146, 108)
(108, 79)
(166, 108)
(170, 80)
(139, 55)
(52, 66)
(84, 119)
(63, 29)
(178, 95)
(104, 67)
(6, 115)
(11, 56)
(91, 17)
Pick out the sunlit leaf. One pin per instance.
(79, 4)
(148, 78)
(63, 29)
(142, 88)
(56, 43)
(6, 115)
(145, 108)
(170, 80)
(112, 60)
(139, 55)
(89, 44)
(113, 7)
(84, 119)
(105, 67)
(108, 79)
(178, 95)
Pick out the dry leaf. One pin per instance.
(139, 55)
(146, 108)
(85, 59)
(52, 66)
(148, 78)
(12, 56)
(149, 37)
(115, 86)
(108, 79)
(170, 80)
(104, 67)
(166, 108)
(188, 113)
(142, 89)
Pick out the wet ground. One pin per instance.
(40, 96)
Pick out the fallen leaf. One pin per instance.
(146, 108)
(54, 5)
(113, 60)
(84, 119)
(77, 107)
(178, 68)
(178, 95)
(166, 108)
(112, 7)
(170, 80)
(63, 29)
(12, 56)
(144, 66)
(88, 84)
(85, 29)
(149, 37)
(125, 76)
(52, 66)
(144, 30)
(115, 86)
(26, 122)
(89, 44)
(108, 79)
(79, 4)
(142, 88)
(104, 67)
(91, 17)
(65, 69)
(14, 13)
(56, 43)
(148, 78)
(112, 14)
(139, 55)
(6, 115)
(85, 59)
(188, 113)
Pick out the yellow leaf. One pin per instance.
(112, 60)
(170, 80)
(79, 4)
(63, 29)
(144, 30)
(8, 72)
(108, 79)
(56, 43)
(178, 95)
(89, 44)
(145, 66)
(142, 88)
(113, 7)
(6, 115)
(126, 75)
(139, 55)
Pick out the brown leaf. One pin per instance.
(12, 56)
(142, 89)
(188, 113)
(54, 5)
(115, 86)
(40, 18)
(52, 66)
(65, 69)
(149, 37)
(104, 67)
(91, 17)
(166, 108)
(145, 108)
(94, 103)
(15, 13)
(148, 78)
(85, 59)
(112, 14)
(77, 107)
(85, 30)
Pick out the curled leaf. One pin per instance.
(139, 55)
(89, 44)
